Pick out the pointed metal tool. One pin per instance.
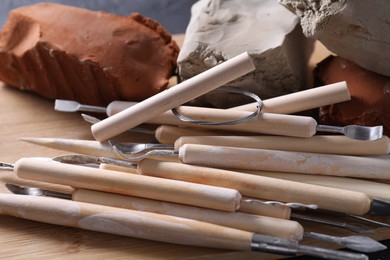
(357, 228)
(357, 243)
(270, 244)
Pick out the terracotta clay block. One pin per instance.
(92, 57)
(370, 94)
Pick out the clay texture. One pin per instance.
(92, 57)
(358, 30)
(220, 30)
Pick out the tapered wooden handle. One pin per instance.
(75, 146)
(334, 144)
(285, 161)
(173, 97)
(262, 187)
(128, 184)
(303, 100)
(124, 222)
(253, 223)
(371, 188)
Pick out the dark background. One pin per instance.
(174, 15)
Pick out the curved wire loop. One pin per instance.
(233, 122)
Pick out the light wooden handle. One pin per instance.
(117, 106)
(75, 146)
(173, 97)
(286, 104)
(11, 178)
(167, 134)
(283, 212)
(371, 188)
(124, 222)
(284, 161)
(249, 222)
(259, 224)
(265, 123)
(128, 184)
(302, 100)
(262, 187)
(113, 167)
(335, 144)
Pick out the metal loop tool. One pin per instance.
(234, 90)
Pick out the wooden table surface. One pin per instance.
(27, 115)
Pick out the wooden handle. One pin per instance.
(262, 187)
(117, 106)
(265, 123)
(259, 224)
(284, 161)
(334, 144)
(117, 168)
(173, 97)
(371, 188)
(243, 221)
(124, 222)
(167, 134)
(75, 146)
(128, 184)
(11, 178)
(302, 100)
(282, 212)
(286, 104)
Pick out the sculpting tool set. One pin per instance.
(209, 181)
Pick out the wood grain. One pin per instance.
(27, 115)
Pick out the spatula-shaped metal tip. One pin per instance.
(66, 105)
(73, 106)
(364, 132)
(357, 132)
